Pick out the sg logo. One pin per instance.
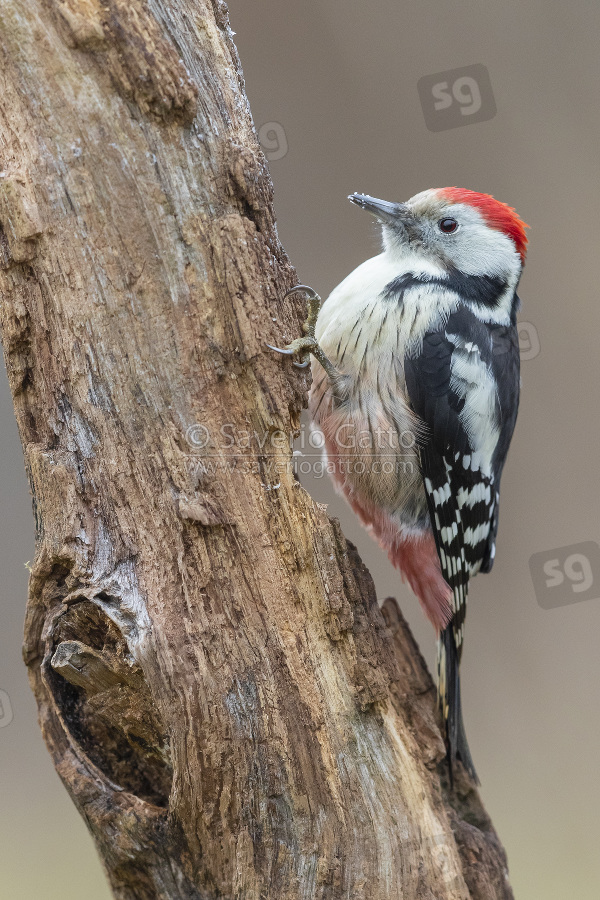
(457, 97)
(567, 575)
(6, 713)
(273, 140)
(527, 336)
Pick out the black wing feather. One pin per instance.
(438, 401)
(462, 499)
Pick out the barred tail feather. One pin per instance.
(450, 702)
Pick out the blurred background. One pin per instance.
(390, 99)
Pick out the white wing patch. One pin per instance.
(471, 379)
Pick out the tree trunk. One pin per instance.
(223, 698)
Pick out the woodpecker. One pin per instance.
(416, 389)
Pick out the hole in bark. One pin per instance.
(249, 212)
(106, 704)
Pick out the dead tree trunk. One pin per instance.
(226, 704)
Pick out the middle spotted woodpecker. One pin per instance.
(416, 390)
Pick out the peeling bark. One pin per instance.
(225, 702)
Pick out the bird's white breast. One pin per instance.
(366, 337)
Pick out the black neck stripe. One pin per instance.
(482, 289)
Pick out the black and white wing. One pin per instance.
(463, 382)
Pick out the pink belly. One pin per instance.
(412, 552)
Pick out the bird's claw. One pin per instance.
(304, 345)
(301, 346)
(307, 345)
(282, 350)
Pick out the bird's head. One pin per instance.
(454, 227)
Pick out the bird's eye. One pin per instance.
(448, 225)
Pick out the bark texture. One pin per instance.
(227, 705)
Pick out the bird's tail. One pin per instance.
(450, 703)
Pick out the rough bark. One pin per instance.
(225, 702)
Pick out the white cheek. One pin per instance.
(478, 250)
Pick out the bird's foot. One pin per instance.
(303, 347)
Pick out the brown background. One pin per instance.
(341, 80)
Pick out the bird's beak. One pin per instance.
(386, 212)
